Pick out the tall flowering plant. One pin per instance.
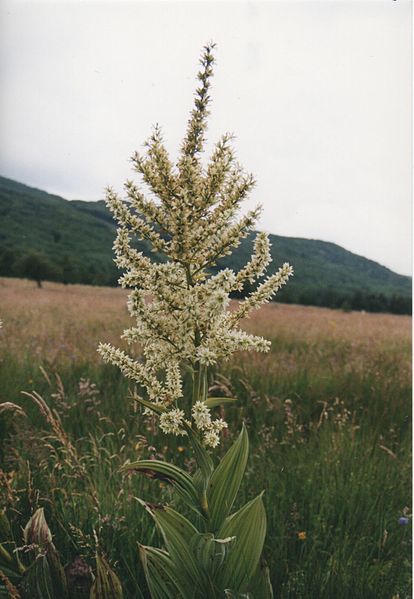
(183, 322)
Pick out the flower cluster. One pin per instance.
(186, 213)
(172, 422)
(210, 428)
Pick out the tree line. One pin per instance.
(37, 267)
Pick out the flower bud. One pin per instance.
(37, 531)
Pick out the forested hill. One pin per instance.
(46, 236)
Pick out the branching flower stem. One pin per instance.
(180, 307)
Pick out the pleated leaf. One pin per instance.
(37, 531)
(248, 525)
(37, 582)
(46, 572)
(225, 480)
(260, 586)
(57, 572)
(106, 584)
(179, 535)
(163, 471)
(161, 575)
(210, 553)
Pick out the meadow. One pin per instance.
(328, 412)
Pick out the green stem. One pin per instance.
(204, 387)
(204, 502)
(196, 384)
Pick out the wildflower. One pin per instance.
(218, 425)
(202, 418)
(206, 356)
(211, 439)
(181, 309)
(302, 535)
(201, 415)
(172, 421)
(403, 521)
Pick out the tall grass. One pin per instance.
(329, 423)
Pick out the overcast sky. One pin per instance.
(318, 94)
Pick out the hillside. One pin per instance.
(75, 238)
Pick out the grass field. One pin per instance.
(329, 419)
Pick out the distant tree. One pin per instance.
(38, 268)
(346, 305)
(68, 270)
(8, 259)
(400, 304)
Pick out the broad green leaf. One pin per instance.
(177, 477)
(248, 525)
(225, 480)
(57, 572)
(210, 553)
(213, 402)
(178, 534)
(47, 572)
(161, 574)
(171, 522)
(37, 531)
(44, 583)
(37, 582)
(106, 584)
(260, 586)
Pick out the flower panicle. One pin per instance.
(209, 428)
(180, 307)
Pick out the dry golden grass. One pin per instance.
(310, 323)
(61, 322)
(328, 412)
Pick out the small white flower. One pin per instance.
(206, 355)
(211, 439)
(201, 415)
(172, 421)
(218, 425)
